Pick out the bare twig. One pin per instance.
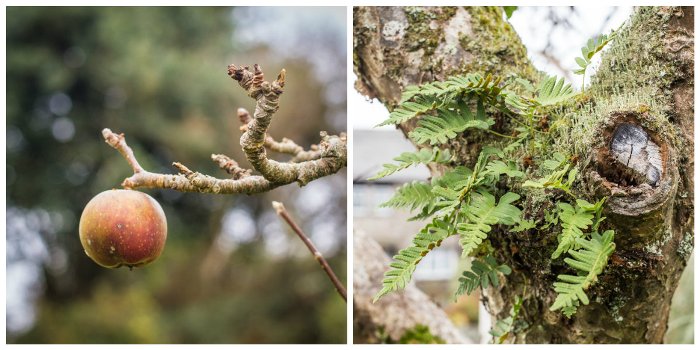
(282, 212)
(187, 180)
(325, 159)
(230, 166)
(119, 143)
(183, 169)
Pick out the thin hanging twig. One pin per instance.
(282, 212)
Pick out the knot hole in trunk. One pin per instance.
(632, 155)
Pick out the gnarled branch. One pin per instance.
(285, 146)
(325, 159)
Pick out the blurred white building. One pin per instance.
(388, 226)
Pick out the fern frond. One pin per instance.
(447, 200)
(569, 311)
(412, 195)
(596, 208)
(589, 261)
(557, 160)
(482, 214)
(497, 168)
(409, 92)
(524, 225)
(573, 222)
(404, 263)
(552, 91)
(457, 85)
(451, 197)
(483, 273)
(555, 180)
(517, 102)
(502, 327)
(443, 191)
(592, 47)
(525, 84)
(408, 159)
(419, 100)
(408, 110)
(455, 178)
(448, 189)
(595, 45)
(448, 124)
(513, 146)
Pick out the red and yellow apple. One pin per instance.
(123, 228)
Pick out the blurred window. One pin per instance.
(368, 198)
(439, 265)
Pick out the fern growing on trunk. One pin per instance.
(466, 201)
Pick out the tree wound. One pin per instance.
(632, 147)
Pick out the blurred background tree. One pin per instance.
(232, 271)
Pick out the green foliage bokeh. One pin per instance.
(159, 76)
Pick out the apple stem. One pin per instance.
(282, 212)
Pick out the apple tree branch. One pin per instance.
(324, 159)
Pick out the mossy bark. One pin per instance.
(645, 79)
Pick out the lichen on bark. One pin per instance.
(646, 78)
(322, 160)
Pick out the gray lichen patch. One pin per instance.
(458, 26)
(632, 147)
(393, 30)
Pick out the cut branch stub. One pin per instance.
(634, 166)
(631, 146)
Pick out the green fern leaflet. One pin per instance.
(573, 222)
(448, 124)
(409, 110)
(482, 213)
(419, 100)
(589, 261)
(553, 91)
(483, 273)
(592, 47)
(497, 168)
(556, 180)
(408, 159)
(505, 326)
(405, 261)
(412, 195)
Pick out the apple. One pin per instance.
(123, 228)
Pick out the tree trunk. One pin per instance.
(396, 314)
(643, 89)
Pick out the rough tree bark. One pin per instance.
(643, 90)
(397, 313)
